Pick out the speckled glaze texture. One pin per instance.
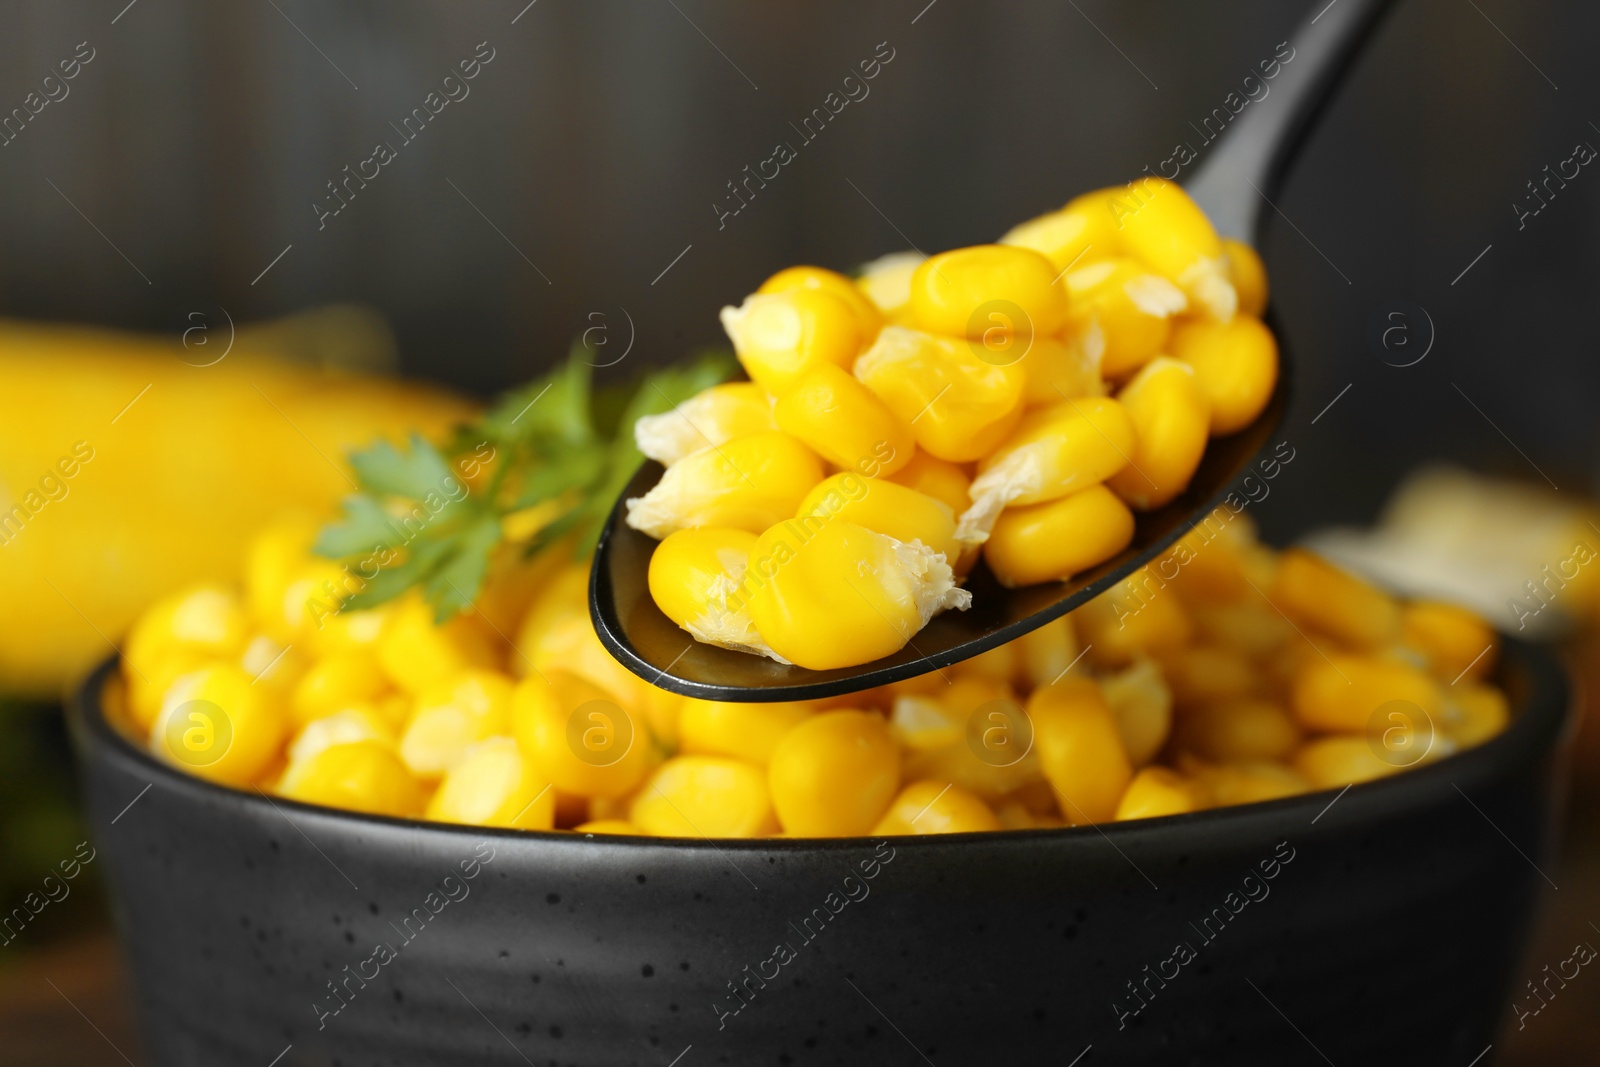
(1382, 925)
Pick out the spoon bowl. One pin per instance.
(1234, 184)
(651, 645)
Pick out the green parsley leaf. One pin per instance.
(558, 438)
(366, 525)
(415, 474)
(455, 583)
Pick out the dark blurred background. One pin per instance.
(579, 178)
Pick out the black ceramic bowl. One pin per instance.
(1381, 925)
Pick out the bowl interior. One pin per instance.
(1532, 677)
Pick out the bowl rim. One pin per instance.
(1544, 720)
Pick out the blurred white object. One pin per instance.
(1523, 557)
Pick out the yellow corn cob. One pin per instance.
(175, 468)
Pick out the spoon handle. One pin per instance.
(1246, 169)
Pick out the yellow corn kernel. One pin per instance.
(844, 595)
(599, 808)
(363, 776)
(1080, 750)
(1038, 797)
(272, 556)
(992, 756)
(1055, 451)
(1258, 562)
(1158, 791)
(934, 807)
(451, 716)
(923, 723)
(1171, 417)
(743, 731)
(917, 685)
(1251, 628)
(494, 785)
(704, 796)
(749, 483)
(958, 405)
(834, 775)
(1248, 274)
(215, 724)
(608, 826)
(1122, 313)
(274, 666)
(965, 693)
(712, 416)
(1279, 672)
(564, 595)
(416, 653)
(937, 478)
(1236, 363)
(1016, 816)
(841, 420)
(1045, 542)
(1158, 223)
(1136, 617)
(1082, 230)
(970, 291)
(337, 682)
(1209, 562)
(148, 684)
(1335, 762)
(1002, 663)
(1247, 783)
(1342, 692)
(779, 336)
(204, 620)
(1207, 673)
(1455, 642)
(1474, 713)
(359, 722)
(1314, 592)
(886, 281)
(884, 507)
(578, 736)
(1142, 704)
(1047, 652)
(558, 636)
(395, 709)
(349, 631)
(868, 318)
(1237, 731)
(312, 599)
(1056, 370)
(692, 575)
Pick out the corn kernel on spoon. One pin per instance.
(1234, 186)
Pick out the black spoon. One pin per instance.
(1234, 185)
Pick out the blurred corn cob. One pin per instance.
(174, 467)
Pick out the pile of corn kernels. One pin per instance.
(1019, 399)
(1224, 673)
